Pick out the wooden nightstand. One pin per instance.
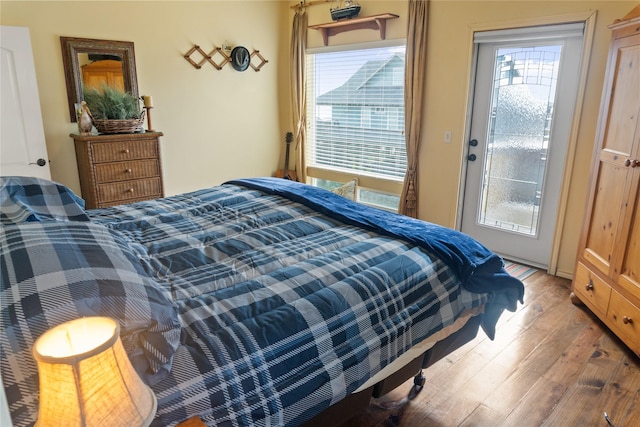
(120, 168)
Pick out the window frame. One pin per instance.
(384, 185)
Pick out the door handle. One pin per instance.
(471, 157)
(39, 162)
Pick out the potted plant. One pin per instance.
(113, 110)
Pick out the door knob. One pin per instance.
(473, 142)
(471, 157)
(39, 162)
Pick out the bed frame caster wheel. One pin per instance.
(419, 380)
(418, 385)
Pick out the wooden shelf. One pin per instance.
(374, 22)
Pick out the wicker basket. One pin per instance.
(119, 126)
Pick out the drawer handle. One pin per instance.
(589, 286)
(627, 320)
(125, 151)
(130, 190)
(128, 170)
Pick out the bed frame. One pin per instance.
(357, 402)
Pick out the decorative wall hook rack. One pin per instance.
(212, 58)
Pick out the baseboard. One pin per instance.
(565, 274)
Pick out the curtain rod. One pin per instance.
(305, 3)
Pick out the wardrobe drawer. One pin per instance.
(592, 290)
(625, 317)
(128, 190)
(124, 150)
(123, 171)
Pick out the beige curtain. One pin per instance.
(415, 71)
(298, 89)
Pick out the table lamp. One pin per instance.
(86, 378)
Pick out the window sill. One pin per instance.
(385, 185)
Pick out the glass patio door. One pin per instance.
(524, 99)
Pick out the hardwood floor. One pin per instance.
(552, 364)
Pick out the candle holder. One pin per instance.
(148, 105)
(149, 128)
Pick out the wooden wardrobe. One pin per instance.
(607, 276)
(108, 72)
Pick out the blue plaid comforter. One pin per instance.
(282, 310)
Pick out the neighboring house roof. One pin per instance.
(367, 86)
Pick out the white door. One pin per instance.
(526, 88)
(23, 150)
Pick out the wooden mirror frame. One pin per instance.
(72, 46)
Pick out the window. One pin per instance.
(355, 121)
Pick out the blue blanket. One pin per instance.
(479, 269)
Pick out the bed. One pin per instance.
(257, 302)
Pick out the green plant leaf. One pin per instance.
(111, 103)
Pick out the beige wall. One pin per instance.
(447, 89)
(217, 125)
(225, 124)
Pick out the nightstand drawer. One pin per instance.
(592, 290)
(124, 150)
(124, 171)
(129, 190)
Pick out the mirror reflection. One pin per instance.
(92, 63)
(99, 69)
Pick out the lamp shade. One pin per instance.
(86, 378)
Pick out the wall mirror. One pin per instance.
(91, 62)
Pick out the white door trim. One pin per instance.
(589, 19)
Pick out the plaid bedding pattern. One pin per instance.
(284, 311)
(27, 199)
(53, 272)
